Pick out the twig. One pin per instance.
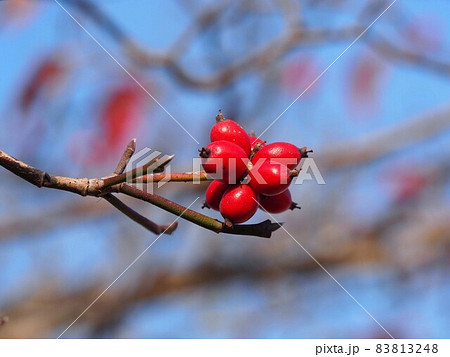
(262, 229)
(154, 165)
(379, 144)
(174, 177)
(138, 218)
(126, 156)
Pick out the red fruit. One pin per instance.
(214, 194)
(278, 203)
(284, 153)
(269, 178)
(239, 203)
(225, 160)
(231, 131)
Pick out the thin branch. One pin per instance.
(126, 156)
(387, 49)
(81, 186)
(262, 229)
(174, 177)
(138, 218)
(154, 165)
(384, 142)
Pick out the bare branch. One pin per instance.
(126, 156)
(382, 143)
(263, 229)
(154, 165)
(138, 218)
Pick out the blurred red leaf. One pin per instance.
(406, 182)
(85, 149)
(46, 78)
(121, 114)
(119, 120)
(19, 12)
(425, 33)
(298, 74)
(366, 76)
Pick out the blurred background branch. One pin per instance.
(378, 121)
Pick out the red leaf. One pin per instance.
(298, 74)
(44, 79)
(424, 33)
(406, 182)
(18, 12)
(366, 77)
(121, 114)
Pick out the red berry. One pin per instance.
(214, 194)
(278, 203)
(239, 203)
(230, 157)
(269, 178)
(285, 153)
(231, 131)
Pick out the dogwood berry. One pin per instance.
(270, 178)
(278, 203)
(214, 194)
(224, 159)
(286, 153)
(239, 203)
(229, 130)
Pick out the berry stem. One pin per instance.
(173, 177)
(262, 229)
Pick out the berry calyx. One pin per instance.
(254, 140)
(270, 178)
(225, 160)
(214, 194)
(285, 153)
(278, 203)
(239, 203)
(229, 130)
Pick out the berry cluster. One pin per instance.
(248, 172)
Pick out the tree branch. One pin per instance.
(262, 229)
(138, 218)
(106, 186)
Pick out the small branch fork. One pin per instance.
(107, 187)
